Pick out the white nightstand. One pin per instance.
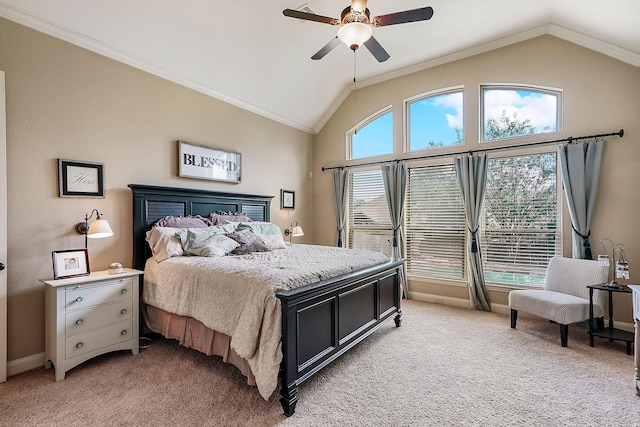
(90, 315)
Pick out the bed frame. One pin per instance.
(320, 321)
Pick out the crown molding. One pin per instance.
(597, 45)
(93, 45)
(574, 37)
(39, 24)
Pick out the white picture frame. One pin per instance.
(201, 162)
(70, 263)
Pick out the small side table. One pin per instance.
(608, 332)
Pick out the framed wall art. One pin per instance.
(70, 263)
(197, 161)
(287, 199)
(80, 179)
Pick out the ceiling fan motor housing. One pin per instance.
(347, 16)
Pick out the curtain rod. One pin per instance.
(570, 140)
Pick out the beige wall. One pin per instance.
(601, 95)
(66, 102)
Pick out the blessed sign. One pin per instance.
(196, 161)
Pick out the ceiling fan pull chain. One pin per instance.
(355, 96)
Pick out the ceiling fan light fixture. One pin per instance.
(354, 34)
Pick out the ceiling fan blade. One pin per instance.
(413, 15)
(310, 17)
(326, 48)
(376, 49)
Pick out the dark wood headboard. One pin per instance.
(150, 203)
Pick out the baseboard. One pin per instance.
(18, 366)
(454, 302)
(439, 299)
(495, 308)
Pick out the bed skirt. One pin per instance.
(192, 333)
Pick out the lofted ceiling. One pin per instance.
(247, 53)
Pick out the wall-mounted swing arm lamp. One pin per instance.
(97, 229)
(294, 231)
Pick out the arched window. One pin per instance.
(517, 111)
(372, 137)
(435, 120)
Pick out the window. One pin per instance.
(435, 223)
(369, 221)
(435, 121)
(521, 230)
(374, 138)
(509, 112)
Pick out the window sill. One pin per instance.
(494, 287)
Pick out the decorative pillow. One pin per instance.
(261, 228)
(221, 217)
(248, 241)
(164, 243)
(273, 241)
(209, 241)
(183, 222)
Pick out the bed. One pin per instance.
(318, 321)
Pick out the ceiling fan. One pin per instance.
(356, 26)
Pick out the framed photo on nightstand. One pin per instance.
(70, 263)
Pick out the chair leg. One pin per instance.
(514, 318)
(564, 332)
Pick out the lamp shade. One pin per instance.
(99, 228)
(297, 231)
(354, 34)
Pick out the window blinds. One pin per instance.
(369, 221)
(435, 232)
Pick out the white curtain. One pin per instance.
(580, 164)
(394, 177)
(471, 172)
(340, 194)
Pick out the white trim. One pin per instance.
(574, 37)
(439, 299)
(81, 40)
(525, 87)
(66, 34)
(361, 125)
(426, 95)
(621, 54)
(25, 364)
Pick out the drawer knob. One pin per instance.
(123, 332)
(124, 291)
(79, 345)
(79, 299)
(123, 311)
(79, 322)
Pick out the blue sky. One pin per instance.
(436, 119)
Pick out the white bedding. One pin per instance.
(235, 294)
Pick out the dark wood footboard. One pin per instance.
(322, 321)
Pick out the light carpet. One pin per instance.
(444, 366)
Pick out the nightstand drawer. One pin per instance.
(96, 339)
(81, 320)
(77, 297)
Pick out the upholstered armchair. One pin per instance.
(565, 297)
